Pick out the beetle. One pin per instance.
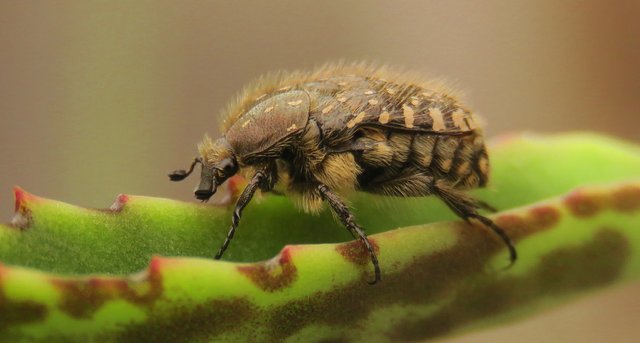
(348, 127)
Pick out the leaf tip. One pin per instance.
(275, 274)
(156, 265)
(22, 214)
(231, 190)
(119, 203)
(21, 197)
(236, 184)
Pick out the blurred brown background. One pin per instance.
(99, 98)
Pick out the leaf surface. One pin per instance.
(570, 202)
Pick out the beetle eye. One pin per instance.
(227, 166)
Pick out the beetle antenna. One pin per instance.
(179, 175)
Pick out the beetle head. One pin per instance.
(218, 164)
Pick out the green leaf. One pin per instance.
(78, 274)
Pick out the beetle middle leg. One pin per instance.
(348, 220)
(466, 208)
(243, 200)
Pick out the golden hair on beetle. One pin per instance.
(340, 128)
(271, 82)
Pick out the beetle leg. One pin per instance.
(466, 208)
(243, 200)
(360, 144)
(349, 221)
(270, 179)
(485, 206)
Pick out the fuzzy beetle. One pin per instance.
(344, 128)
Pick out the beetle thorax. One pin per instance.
(213, 152)
(269, 122)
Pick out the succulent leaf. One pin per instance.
(571, 203)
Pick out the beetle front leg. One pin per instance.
(243, 200)
(349, 221)
(270, 178)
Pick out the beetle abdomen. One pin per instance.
(406, 163)
(462, 160)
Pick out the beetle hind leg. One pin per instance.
(485, 206)
(466, 208)
(347, 220)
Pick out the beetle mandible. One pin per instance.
(348, 127)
